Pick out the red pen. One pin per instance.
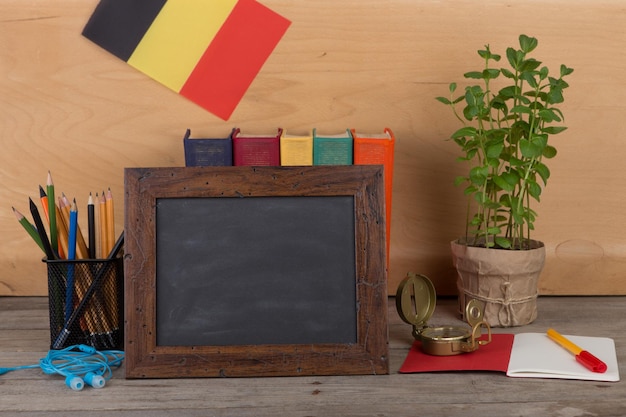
(582, 356)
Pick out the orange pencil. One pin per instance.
(44, 203)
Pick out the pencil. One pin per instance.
(71, 255)
(63, 222)
(44, 204)
(102, 225)
(81, 250)
(41, 230)
(110, 222)
(91, 227)
(52, 213)
(32, 231)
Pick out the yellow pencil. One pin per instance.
(102, 226)
(62, 222)
(110, 222)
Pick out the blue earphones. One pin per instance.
(79, 364)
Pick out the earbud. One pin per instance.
(74, 382)
(96, 381)
(87, 349)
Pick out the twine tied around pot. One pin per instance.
(508, 312)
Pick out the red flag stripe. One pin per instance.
(234, 57)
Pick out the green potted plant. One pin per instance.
(508, 118)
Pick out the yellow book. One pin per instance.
(296, 150)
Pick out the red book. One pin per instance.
(256, 150)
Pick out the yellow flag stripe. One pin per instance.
(178, 37)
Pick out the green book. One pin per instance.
(332, 149)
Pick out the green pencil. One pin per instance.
(29, 228)
(52, 214)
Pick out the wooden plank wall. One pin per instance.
(69, 107)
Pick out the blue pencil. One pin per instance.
(71, 255)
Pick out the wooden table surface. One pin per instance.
(24, 339)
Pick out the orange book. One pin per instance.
(377, 149)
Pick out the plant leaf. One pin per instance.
(521, 109)
(507, 92)
(476, 75)
(529, 77)
(507, 73)
(503, 184)
(529, 149)
(565, 70)
(470, 112)
(555, 96)
(553, 130)
(512, 177)
(470, 190)
(543, 171)
(530, 64)
(490, 73)
(534, 190)
(549, 152)
(478, 175)
(465, 132)
(527, 43)
(514, 57)
(548, 115)
(494, 151)
(503, 242)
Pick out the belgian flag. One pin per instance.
(209, 51)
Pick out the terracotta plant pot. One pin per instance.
(506, 280)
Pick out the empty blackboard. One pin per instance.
(253, 271)
(281, 272)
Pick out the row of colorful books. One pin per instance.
(348, 147)
(281, 149)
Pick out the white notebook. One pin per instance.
(535, 355)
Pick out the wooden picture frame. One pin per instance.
(152, 353)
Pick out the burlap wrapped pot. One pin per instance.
(506, 280)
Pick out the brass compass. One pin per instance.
(415, 302)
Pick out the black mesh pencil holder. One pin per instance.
(86, 303)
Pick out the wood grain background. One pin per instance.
(70, 107)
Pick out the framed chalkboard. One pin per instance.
(255, 271)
